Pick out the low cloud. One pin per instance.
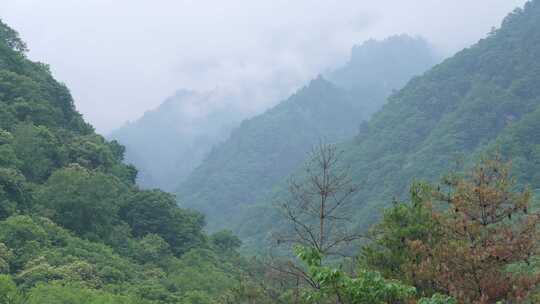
(123, 57)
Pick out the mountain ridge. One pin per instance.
(269, 146)
(483, 100)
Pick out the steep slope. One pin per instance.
(373, 63)
(377, 67)
(266, 148)
(481, 99)
(74, 228)
(167, 143)
(484, 99)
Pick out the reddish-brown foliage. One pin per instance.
(486, 227)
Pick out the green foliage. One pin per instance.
(81, 200)
(13, 192)
(8, 291)
(248, 291)
(74, 228)
(38, 150)
(196, 297)
(225, 241)
(38, 252)
(28, 93)
(5, 258)
(153, 211)
(484, 98)
(24, 237)
(58, 294)
(153, 249)
(367, 287)
(202, 270)
(11, 38)
(452, 113)
(91, 151)
(438, 299)
(389, 252)
(8, 157)
(265, 149)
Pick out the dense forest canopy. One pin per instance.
(433, 199)
(461, 108)
(483, 99)
(266, 148)
(73, 225)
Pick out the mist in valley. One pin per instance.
(269, 152)
(123, 58)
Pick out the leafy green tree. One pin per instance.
(225, 241)
(67, 233)
(202, 270)
(335, 286)
(438, 299)
(127, 173)
(248, 291)
(14, 193)
(84, 201)
(39, 150)
(37, 271)
(153, 249)
(93, 152)
(8, 157)
(17, 88)
(389, 252)
(68, 294)
(155, 212)
(5, 258)
(23, 237)
(196, 297)
(11, 38)
(9, 294)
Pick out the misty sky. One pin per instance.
(123, 57)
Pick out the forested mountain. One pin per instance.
(167, 143)
(265, 149)
(484, 99)
(376, 68)
(74, 227)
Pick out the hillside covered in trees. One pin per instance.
(74, 227)
(433, 199)
(265, 149)
(169, 142)
(483, 99)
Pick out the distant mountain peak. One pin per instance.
(395, 58)
(166, 143)
(266, 148)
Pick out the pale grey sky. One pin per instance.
(123, 57)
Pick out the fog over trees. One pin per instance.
(277, 152)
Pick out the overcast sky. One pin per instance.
(123, 57)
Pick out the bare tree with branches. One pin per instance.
(316, 213)
(316, 205)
